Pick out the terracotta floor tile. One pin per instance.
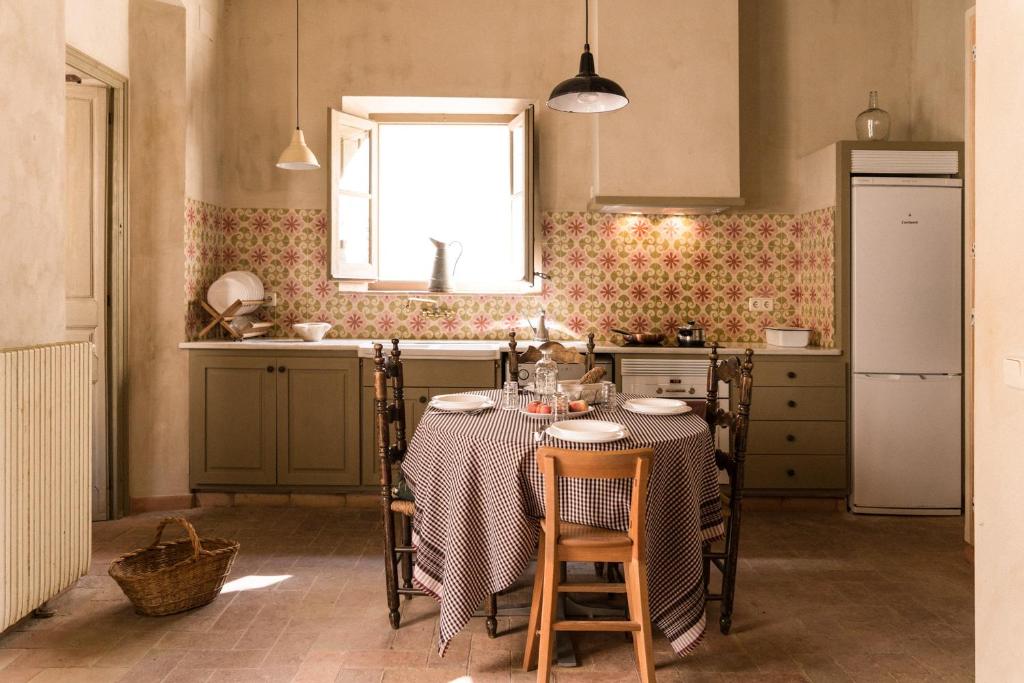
(821, 596)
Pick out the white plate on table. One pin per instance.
(656, 406)
(461, 403)
(569, 416)
(587, 431)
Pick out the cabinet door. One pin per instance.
(416, 399)
(318, 421)
(232, 420)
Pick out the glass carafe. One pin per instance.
(873, 123)
(545, 376)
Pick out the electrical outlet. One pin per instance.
(271, 298)
(760, 304)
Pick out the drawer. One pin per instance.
(462, 374)
(798, 403)
(796, 437)
(796, 472)
(799, 374)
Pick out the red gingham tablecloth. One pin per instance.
(479, 495)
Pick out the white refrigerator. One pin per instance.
(907, 352)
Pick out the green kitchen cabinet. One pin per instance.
(273, 419)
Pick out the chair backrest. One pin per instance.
(738, 374)
(628, 464)
(389, 412)
(559, 353)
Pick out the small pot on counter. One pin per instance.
(690, 335)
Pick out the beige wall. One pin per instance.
(999, 331)
(204, 66)
(514, 48)
(31, 171)
(99, 28)
(806, 67)
(158, 440)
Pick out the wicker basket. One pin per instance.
(167, 578)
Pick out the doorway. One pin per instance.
(86, 254)
(96, 259)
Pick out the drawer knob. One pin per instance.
(270, 368)
(790, 437)
(790, 472)
(423, 399)
(791, 403)
(280, 368)
(791, 374)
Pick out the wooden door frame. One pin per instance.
(969, 269)
(117, 275)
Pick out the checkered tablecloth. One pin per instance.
(479, 495)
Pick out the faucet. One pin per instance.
(540, 333)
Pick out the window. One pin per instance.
(400, 179)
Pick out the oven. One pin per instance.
(674, 378)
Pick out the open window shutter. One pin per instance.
(521, 202)
(353, 197)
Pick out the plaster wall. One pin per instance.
(99, 28)
(999, 331)
(937, 67)
(31, 171)
(158, 440)
(451, 48)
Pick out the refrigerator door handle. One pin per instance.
(884, 377)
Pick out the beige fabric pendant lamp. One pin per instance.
(297, 156)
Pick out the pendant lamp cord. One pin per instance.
(586, 25)
(296, 64)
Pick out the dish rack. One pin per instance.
(257, 329)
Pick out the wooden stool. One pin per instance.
(564, 542)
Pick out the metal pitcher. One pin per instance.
(439, 277)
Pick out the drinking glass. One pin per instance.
(510, 396)
(559, 403)
(608, 396)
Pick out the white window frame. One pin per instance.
(362, 115)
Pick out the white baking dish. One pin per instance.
(792, 337)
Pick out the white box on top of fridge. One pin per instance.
(906, 356)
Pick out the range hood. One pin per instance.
(674, 206)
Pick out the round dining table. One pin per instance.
(479, 498)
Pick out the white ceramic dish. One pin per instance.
(656, 406)
(790, 337)
(570, 416)
(461, 402)
(312, 332)
(232, 286)
(587, 431)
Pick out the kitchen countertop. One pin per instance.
(470, 349)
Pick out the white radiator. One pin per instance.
(45, 471)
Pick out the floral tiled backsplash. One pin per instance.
(644, 273)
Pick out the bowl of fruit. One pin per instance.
(539, 409)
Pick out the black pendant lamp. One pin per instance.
(586, 92)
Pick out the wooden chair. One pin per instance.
(391, 414)
(565, 542)
(560, 354)
(738, 374)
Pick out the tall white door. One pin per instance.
(85, 250)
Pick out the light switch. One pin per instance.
(1013, 371)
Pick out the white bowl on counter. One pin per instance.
(312, 332)
(789, 337)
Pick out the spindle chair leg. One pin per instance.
(407, 557)
(535, 605)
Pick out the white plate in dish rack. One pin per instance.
(656, 406)
(461, 402)
(587, 431)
